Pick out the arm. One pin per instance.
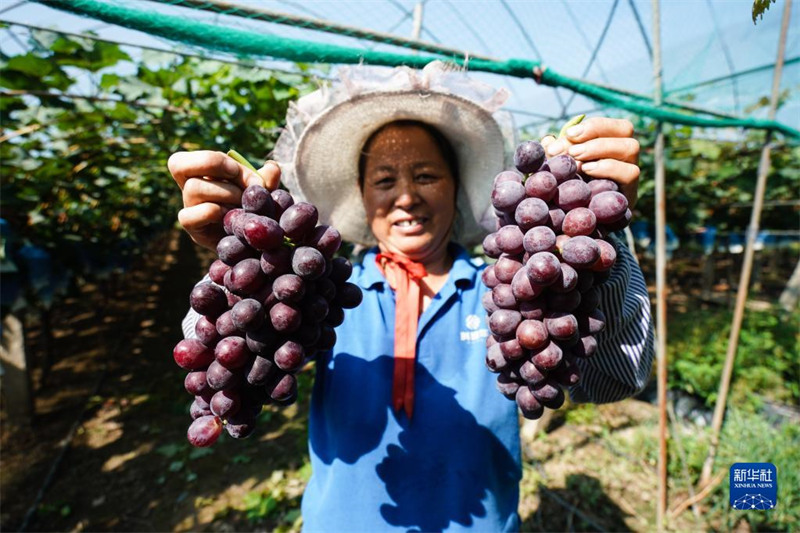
(621, 366)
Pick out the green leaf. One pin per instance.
(196, 453)
(30, 64)
(170, 450)
(175, 466)
(760, 7)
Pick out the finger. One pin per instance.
(203, 222)
(208, 163)
(271, 174)
(198, 191)
(626, 175)
(597, 127)
(623, 149)
(546, 140)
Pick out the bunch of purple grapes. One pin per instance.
(275, 296)
(552, 251)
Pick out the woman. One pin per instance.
(406, 427)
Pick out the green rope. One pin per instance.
(255, 44)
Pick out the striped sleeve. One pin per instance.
(190, 320)
(621, 367)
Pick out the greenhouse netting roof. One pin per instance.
(714, 57)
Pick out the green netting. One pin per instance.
(254, 44)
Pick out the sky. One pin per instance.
(605, 41)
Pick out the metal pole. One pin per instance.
(747, 266)
(661, 269)
(417, 29)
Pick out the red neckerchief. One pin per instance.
(404, 277)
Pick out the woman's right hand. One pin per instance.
(212, 184)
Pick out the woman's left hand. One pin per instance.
(603, 148)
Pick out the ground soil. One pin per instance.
(107, 452)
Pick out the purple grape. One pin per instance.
(529, 406)
(196, 410)
(225, 403)
(503, 296)
(289, 288)
(560, 325)
(242, 424)
(208, 299)
(507, 195)
(530, 373)
(326, 289)
(539, 239)
(556, 219)
(543, 268)
(509, 239)
(230, 218)
(247, 314)
(341, 270)
(580, 252)
(348, 295)
(232, 352)
(307, 262)
(204, 431)
(192, 354)
(511, 349)
(602, 185)
(225, 325)
(206, 331)
(299, 220)
(563, 167)
(567, 281)
(219, 377)
(590, 299)
(504, 321)
(314, 308)
(619, 224)
(532, 334)
(541, 185)
(507, 387)
(217, 271)
(283, 200)
(327, 337)
(325, 239)
(579, 221)
(529, 156)
(284, 388)
(507, 175)
(608, 206)
(490, 246)
(195, 383)
(592, 323)
(284, 318)
(549, 357)
(239, 222)
(608, 256)
(256, 199)
(531, 212)
(262, 233)
(290, 356)
(585, 280)
(572, 194)
(489, 277)
(488, 302)
(521, 287)
(506, 267)
(495, 361)
(567, 375)
(246, 277)
(259, 371)
(586, 347)
(546, 391)
(276, 262)
(533, 309)
(262, 340)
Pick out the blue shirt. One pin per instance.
(456, 464)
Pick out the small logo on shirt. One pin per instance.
(474, 331)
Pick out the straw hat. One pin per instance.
(326, 130)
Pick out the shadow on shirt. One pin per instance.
(445, 461)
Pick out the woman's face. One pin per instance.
(409, 193)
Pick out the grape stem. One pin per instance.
(239, 158)
(571, 122)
